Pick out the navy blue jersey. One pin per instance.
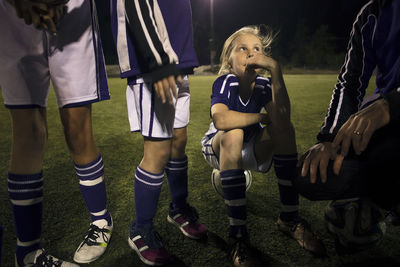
(225, 90)
(374, 43)
(170, 30)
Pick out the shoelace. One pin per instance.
(241, 251)
(93, 234)
(190, 214)
(47, 260)
(152, 238)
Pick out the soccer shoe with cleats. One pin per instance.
(146, 242)
(41, 258)
(187, 220)
(95, 242)
(300, 231)
(242, 254)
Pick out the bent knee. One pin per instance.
(232, 139)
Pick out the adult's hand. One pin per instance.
(358, 129)
(317, 158)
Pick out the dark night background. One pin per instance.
(312, 33)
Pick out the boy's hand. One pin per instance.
(166, 88)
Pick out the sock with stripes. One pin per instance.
(147, 191)
(26, 196)
(285, 170)
(176, 170)
(93, 189)
(233, 184)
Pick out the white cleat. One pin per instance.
(95, 242)
(41, 258)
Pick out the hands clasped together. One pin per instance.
(42, 14)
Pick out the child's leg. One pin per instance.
(229, 146)
(285, 165)
(285, 160)
(149, 178)
(77, 122)
(176, 169)
(25, 179)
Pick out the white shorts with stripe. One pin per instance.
(72, 60)
(249, 160)
(148, 115)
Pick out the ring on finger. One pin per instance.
(357, 133)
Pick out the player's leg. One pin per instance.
(88, 162)
(181, 214)
(154, 120)
(25, 178)
(285, 161)
(78, 74)
(176, 169)
(228, 145)
(24, 81)
(89, 167)
(149, 178)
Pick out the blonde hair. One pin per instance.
(263, 32)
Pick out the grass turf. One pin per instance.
(66, 218)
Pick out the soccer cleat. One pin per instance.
(41, 258)
(148, 246)
(242, 255)
(300, 231)
(95, 242)
(187, 221)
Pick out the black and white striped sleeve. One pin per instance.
(360, 62)
(148, 31)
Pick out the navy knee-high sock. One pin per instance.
(26, 196)
(234, 188)
(93, 189)
(176, 170)
(147, 191)
(285, 170)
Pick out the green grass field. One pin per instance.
(66, 218)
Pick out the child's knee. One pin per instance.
(232, 140)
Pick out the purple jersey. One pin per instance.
(177, 16)
(225, 90)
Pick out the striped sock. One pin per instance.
(147, 191)
(93, 189)
(285, 170)
(26, 196)
(233, 184)
(176, 170)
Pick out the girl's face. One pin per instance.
(244, 46)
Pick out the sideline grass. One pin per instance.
(66, 218)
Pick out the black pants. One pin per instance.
(374, 174)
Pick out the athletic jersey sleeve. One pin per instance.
(221, 89)
(149, 34)
(360, 62)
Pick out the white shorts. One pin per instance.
(73, 60)
(150, 116)
(249, 160)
